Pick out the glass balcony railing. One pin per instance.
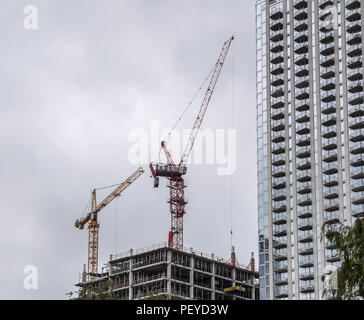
(331, 217)
(280, 218)
(304, 212)
(306, 261)
(357, 210)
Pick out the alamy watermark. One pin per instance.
(331, 20)
(211, 147)
(31, 17)
(31, 277)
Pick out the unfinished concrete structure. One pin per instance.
(186, 274)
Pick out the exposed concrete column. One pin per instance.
(253, 289)
(169, 270)
(131, 275)
(213, 281)
(191, 277)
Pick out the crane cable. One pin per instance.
(188, 106)
(232, 125)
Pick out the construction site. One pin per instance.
(168, 270)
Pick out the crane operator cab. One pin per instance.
(164, 170)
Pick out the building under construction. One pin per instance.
(163, 271)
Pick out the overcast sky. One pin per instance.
(72, 91)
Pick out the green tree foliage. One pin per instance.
(349, 241)
(102, 291)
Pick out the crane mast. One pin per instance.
(174, 172)
(94, 226)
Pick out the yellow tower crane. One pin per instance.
(93, 225)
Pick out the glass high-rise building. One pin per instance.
(310, 127)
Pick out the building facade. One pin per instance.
(178, 274)
(310, 131)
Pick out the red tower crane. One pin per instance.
(175, 172)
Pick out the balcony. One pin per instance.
(358, 198)
(329, 144)
(301, 36)
(300, 48)
(329, 156)
(355, 62)
(281, 280)
(329, 168)
(278, 136)
(304, 212)
(307, 288)
(352, 4)
(303, 128)
(356, 123)
(279, 244)
(303, 176)
(331, 217)
(278, 160)
(355, 98)
(303, 152)
(353, 39)
(356, 87)
(305, 250)
(358, 185)
(357, 148)
(278, 148)
(356, 111)
(354, 51)
(280, 254)
(300, 14)
(328, 132)
(307, 275)
(332, 256)
(279, 207)
(280, 218)
(328, 84)
(303, 82)
(331, 205)
(357, 172)
(331, 192)
(279, 172)
(304, 188)
(278, 69)
(357, 135)
(328, 96)
(303, 164)
(302, 71)
(303, 116)
(357, 161)
(279, 183)
(353, 14)
(278, 93)
(303, 105)
(330, 180)
(303, 140)
(324, 3)
(306, 261)
(328, 120)
(278, 125)
(280, 292)
(280, 267)
(305, 237)
(357, 211)
(302, 61)
(302, 94)
(277, 80)
(327, 61)
(280, 230)
(306, 224)
(355, 74)
(328, 73)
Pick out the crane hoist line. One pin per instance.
(174, 172)
(93, 224)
